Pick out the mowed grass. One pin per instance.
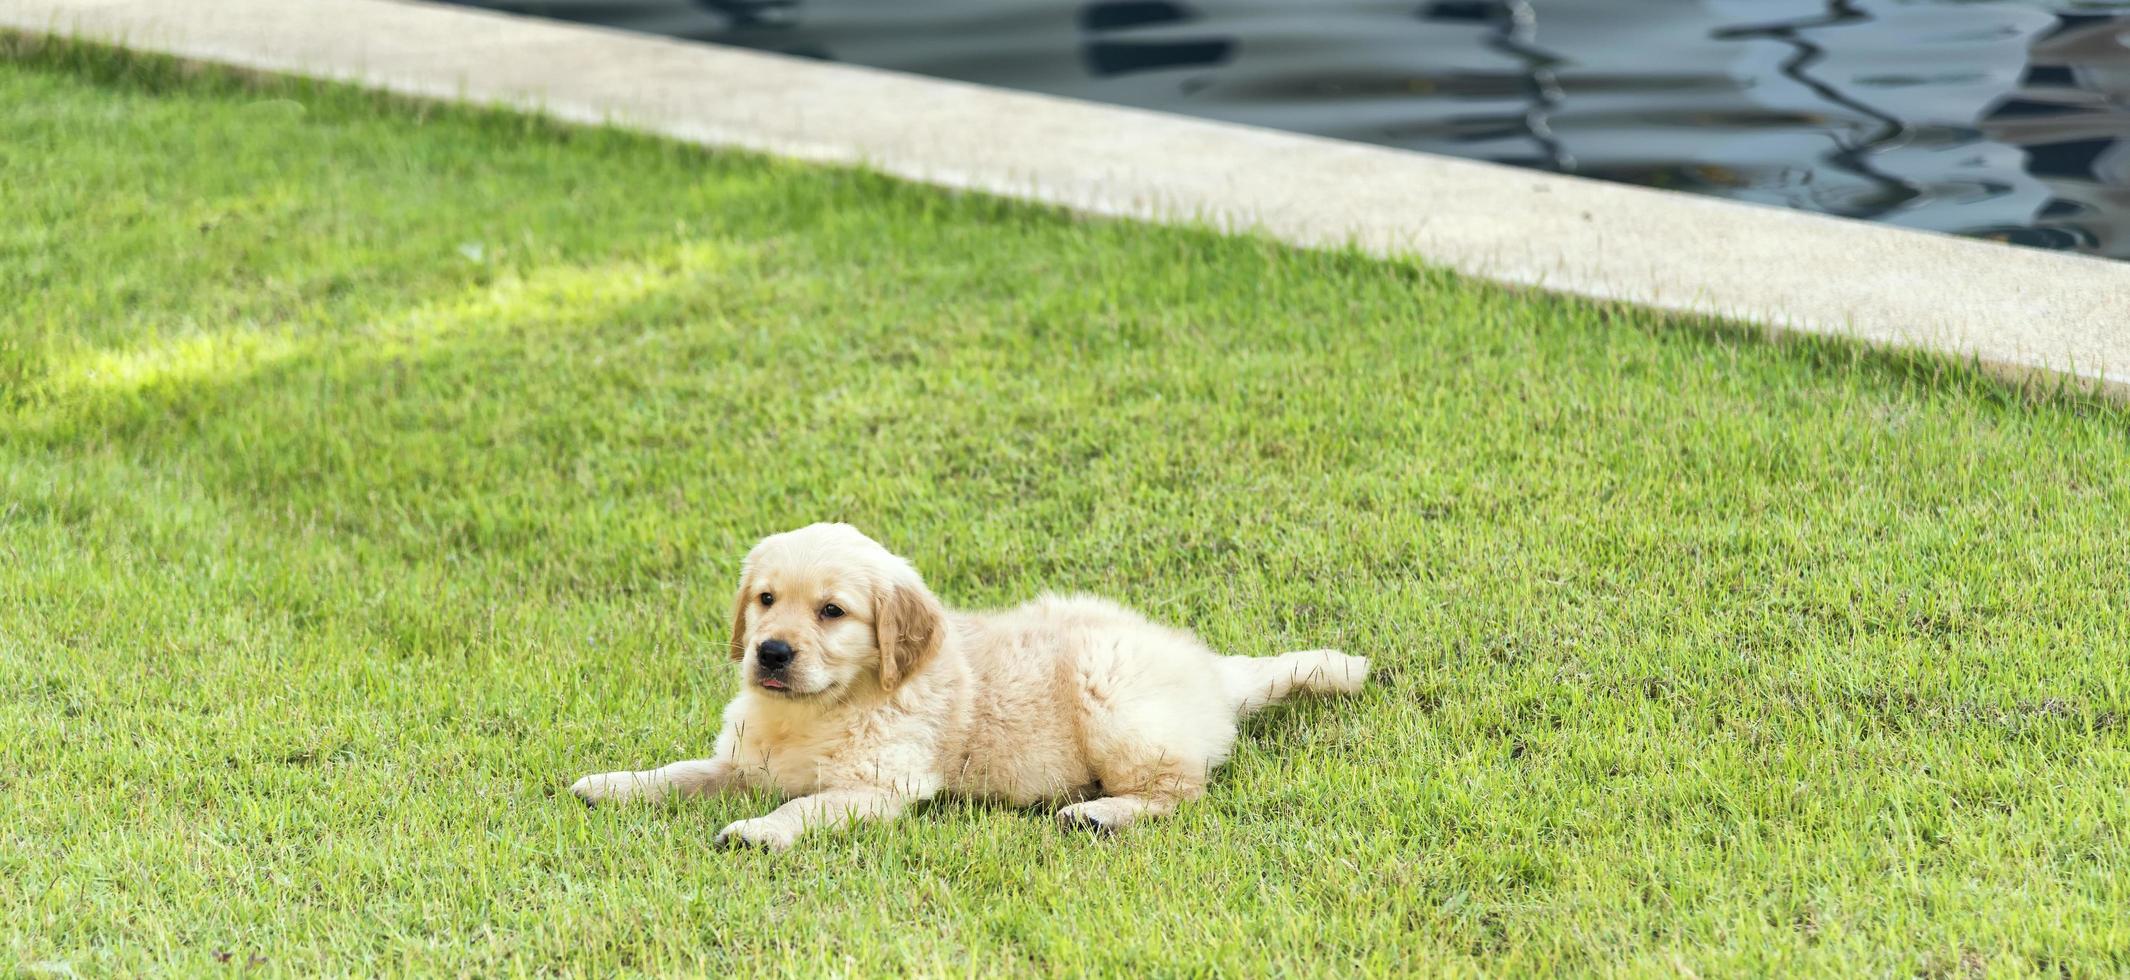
(371, 470)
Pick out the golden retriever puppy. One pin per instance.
(860, 694)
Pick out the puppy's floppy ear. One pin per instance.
(739, 625)
(910, 626)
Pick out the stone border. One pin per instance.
(2014, 310)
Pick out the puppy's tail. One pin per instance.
(1254, 682)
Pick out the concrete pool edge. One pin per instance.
(2019, 312)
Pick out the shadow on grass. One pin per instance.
(1910, 372)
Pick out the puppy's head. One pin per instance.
(825, 607)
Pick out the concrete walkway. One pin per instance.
(2014, 310)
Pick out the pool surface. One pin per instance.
(2008, 121)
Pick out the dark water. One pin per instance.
(1992, 119)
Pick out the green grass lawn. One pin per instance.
(369, 471)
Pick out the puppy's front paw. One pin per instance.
(618, 787)
(762, 832)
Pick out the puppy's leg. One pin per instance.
(783, 826)
(1155, 796)
(1150, 752)
(691, 778)
(1114, 813)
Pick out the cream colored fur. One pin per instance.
(897, 699)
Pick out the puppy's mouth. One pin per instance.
(785, 687)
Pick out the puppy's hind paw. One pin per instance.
(1088, 817)
(763, 832)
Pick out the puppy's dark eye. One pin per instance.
(768, 600)
(831, 611)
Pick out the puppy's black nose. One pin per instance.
(773, 654)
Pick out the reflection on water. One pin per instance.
(1994, 119)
